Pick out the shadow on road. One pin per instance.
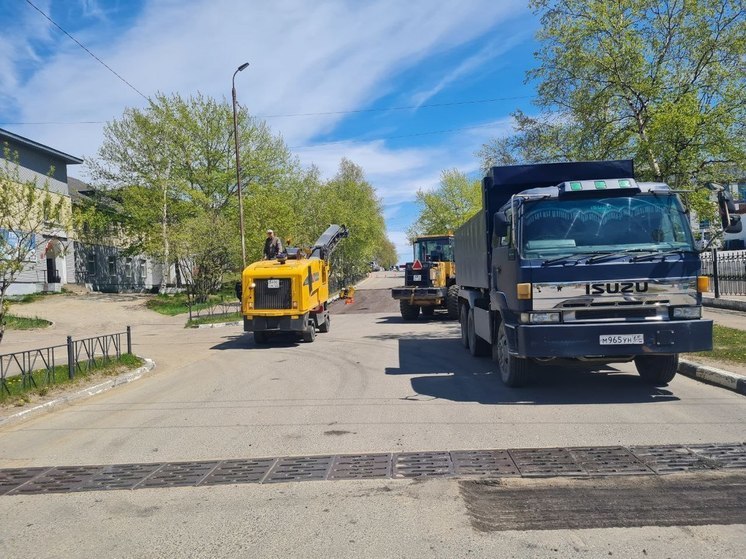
(246, 341)
(397, 319)
(446, 371)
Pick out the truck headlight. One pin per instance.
(686, 312)
(540, 317)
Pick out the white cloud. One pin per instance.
(333, 55)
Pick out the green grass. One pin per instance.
(20, 394)
(22, 323)
(728, 344)
(172, 305)
(31, 297)
(215, 319)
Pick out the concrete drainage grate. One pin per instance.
(420, 464)
(541, 462)
(670, 459)
(525, 462)
(361, 466)
(239, 471)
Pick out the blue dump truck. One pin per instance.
(580, 262)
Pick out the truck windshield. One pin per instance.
(433, 250)
(557, 227)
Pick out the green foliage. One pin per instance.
(447, 207)
(659, 81)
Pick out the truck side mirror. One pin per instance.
(730, 221)
(500, 224)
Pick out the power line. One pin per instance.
(452, 103)
(323, 113)
(104, 64)
(431, 133)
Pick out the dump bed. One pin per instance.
(471, 252)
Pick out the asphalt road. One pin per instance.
(373, 384)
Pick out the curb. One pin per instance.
(217, 325)
(80, 394)
(713, 375)
(728, 304)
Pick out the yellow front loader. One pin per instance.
(290, 293)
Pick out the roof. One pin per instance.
(5, 135)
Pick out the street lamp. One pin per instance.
(241, 68)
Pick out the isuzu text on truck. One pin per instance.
(580, 261)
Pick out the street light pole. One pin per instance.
(238, 163)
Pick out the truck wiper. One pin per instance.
(574, 258)
(662, 254)
(616, 254)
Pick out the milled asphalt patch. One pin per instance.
(82, 394)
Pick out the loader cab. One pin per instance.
(434, 248)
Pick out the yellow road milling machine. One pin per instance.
(290, 293)
(429, 281)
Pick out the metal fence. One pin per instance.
(223, 308)
(726, 270)
(79, 356)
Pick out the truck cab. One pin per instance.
(580, 261)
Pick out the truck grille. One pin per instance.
(266, 297)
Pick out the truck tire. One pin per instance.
(309, 334)
(428, 311)
(513, 370)
(452, 302)
(326, 325)
(409, 312)
(464, 321)
(657, 370)
(261, 337)
(477, 346)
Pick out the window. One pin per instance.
(143, 269)
(112, 261)
(91, 265)
(128, 268)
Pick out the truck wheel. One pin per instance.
(657, 370)
(513, 370)
(326, 325)
(409, 312)
(464, 320)
(428, 311)
(309, 334)
(261, 338)
(452, 302)
(477, 346)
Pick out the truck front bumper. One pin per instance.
(419, 293)
(583, 340)
(292, 323)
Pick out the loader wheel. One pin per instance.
(309, 334)
(428, 311)
(324, 326)
(464, 320)
(477, 346)
(657, 370)
(261, 338)
(452, 302)
(409, 312)
(513, 370)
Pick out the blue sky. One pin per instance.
(306, 56)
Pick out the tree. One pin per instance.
(447, 207)
(659, 81)
(26, 208)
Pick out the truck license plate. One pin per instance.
(622, 339)
(273, 284)
(417, 277)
